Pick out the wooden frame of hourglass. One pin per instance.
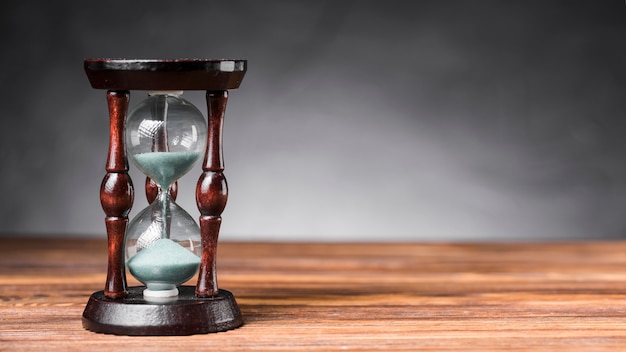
(119, 309)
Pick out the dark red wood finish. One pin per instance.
(116, 194)
(179, 74)
(211, 193)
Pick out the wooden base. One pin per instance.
(186, 316)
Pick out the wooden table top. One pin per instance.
(298, 296)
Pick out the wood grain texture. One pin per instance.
(116, 194)
(211, 194)
(324, 297)
(160, 74)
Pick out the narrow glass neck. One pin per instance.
(163, 198)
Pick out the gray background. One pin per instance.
(357, 120)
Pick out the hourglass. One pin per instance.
(164, 136)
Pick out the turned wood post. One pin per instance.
(116, 194)
(211, 194)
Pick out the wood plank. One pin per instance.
(345, 296)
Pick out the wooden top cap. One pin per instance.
(157, 74)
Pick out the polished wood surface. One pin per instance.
(211, 194)
(117, 194)
(515, 296)
(165, 74)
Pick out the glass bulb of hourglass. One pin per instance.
(163, 247)
(165, 138)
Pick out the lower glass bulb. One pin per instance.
(163, 248)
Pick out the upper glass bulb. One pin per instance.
(165, 137)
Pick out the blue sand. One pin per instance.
(164, 262)
(166, 167)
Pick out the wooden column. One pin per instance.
(116, 194)
(211, 194)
